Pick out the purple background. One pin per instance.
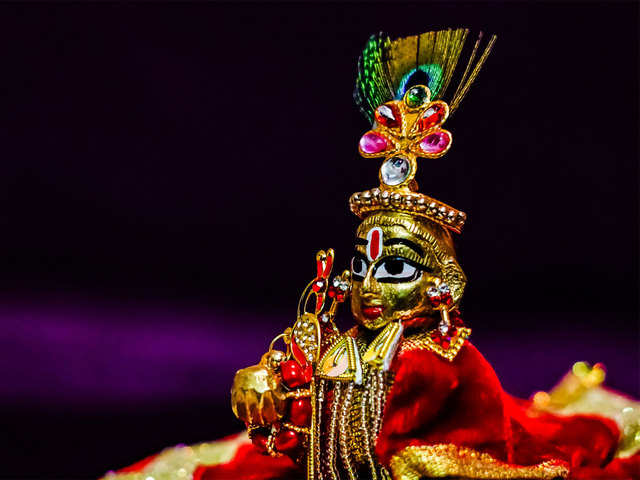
(169, 171)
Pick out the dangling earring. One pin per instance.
(440, 298)
(451, 327)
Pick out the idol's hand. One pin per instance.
(257, 396)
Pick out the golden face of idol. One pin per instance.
(397, 259)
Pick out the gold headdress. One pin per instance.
(400, 87)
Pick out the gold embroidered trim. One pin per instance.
(179, 463)
(423, 340)
(446, 460)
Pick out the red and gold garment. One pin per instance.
(442, 419)
(410, 403)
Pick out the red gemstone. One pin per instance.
(435, 301)
(431, 117)
(294, 375)
(436, 337)
(446, 342)
(446, 299)
(300, 412)
(260, 441)
(373, 143)
(287, 440)
(388, 115)
(340, 297)
(456, 319)
(332, 291)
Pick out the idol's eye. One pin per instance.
(358, 268)
(396, 270)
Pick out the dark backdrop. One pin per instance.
(168, 172)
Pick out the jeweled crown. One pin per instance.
(400, 87)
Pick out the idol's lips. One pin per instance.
(372, 312)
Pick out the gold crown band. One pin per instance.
(413, 203)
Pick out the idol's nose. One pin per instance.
(369, 283)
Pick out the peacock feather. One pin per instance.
(387, 69)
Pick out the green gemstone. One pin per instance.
(416, 96)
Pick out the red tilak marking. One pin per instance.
(375, 239)
(374, 246)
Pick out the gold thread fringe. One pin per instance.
(364, 418)
(331, 436)
(318, 429)
(380, 401)
(344, 446)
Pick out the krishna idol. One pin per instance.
(404, 394)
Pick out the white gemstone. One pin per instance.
(444, 328)
(386, 112)
(430, 111)
(395, 170)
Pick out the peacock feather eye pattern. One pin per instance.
(388, 69)
(429, 75)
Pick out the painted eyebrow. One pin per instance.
(408, 243)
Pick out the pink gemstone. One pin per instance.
(435, 142)
(372, 143)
